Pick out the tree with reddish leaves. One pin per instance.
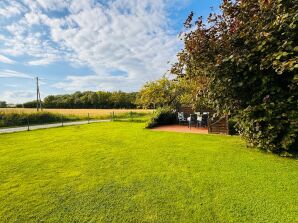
(249, 56)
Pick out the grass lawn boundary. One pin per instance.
(121, 172)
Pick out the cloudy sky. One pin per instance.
(82, 45)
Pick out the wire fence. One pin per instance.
(32, 119)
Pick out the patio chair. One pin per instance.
(181, 118)
(199, 119)
(191, 119)
(205, 118)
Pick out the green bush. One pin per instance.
(272, 126)
(162, 116)
(20, 119)
(249, 67)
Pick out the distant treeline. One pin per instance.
(88, 99)
(3, 104)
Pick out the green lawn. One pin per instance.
(120, 172)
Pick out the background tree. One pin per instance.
(160, 93)
(29, 104)
(3, 104)
(88, 99)
(172, 93)
(248, 56)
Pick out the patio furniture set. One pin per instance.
(199, 119)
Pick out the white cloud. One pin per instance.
(95, 82)
(128, 36)
(53, 4)
(10, 8)
(5, 59)
(18, 96)
(14, 74)
(132, 36)
(44, 61)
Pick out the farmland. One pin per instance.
(121, 172)
(95, 113)
(10, 117)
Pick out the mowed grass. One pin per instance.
(93, 113)
(121, 172)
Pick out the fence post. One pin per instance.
(62, 120)
(131, 118)
(28, 127)
(88, 119)
(113, 116)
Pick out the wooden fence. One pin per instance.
(219, 125)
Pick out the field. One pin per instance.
(121, 172)
(94, 113)
(13, 117)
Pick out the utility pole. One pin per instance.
(38, 98)
(37, 94)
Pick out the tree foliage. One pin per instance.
(248, 55)
(158, 93)
(162, 116)
(88, 99)
(3, 104)
(167, 92)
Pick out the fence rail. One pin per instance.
(29, 120)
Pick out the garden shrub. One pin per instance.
(272, 126)
(162, 116)
(248, 54)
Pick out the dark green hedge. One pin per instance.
(162, 116)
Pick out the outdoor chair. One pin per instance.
(199, 119)
(205, 117)
(191, 119)
(181, 118)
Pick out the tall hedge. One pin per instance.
(162, 116)
(249, 55)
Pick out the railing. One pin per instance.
(32, 120)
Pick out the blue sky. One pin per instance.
(77, 45)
